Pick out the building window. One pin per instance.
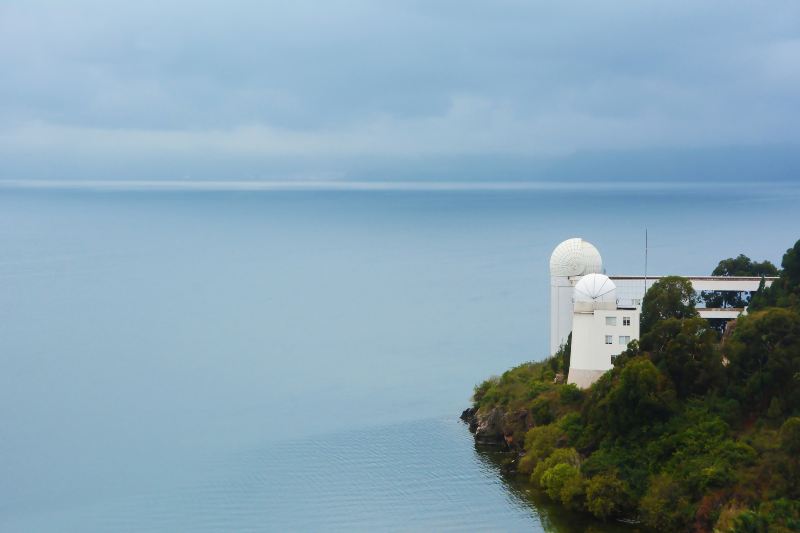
(626, 321)
(611, 321)
(624, 339)
(609, 339)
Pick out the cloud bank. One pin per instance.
(352, 88)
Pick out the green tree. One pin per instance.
(776, 516)
(764, 355)
(790, 436)
(775, 410)
(640, 396)
(669, 297)
(566, 352)
(539, 444)
(542, 410)
(570, 394)
(564, 483)
(606, 495)
(791, 266)
(760, 298)
(561, 455)
(559, 361)
(665, 506)
(744, 266)
(785, 292)
(686, 350)
(700, 455)
(736, 266)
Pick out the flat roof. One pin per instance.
(703, 278)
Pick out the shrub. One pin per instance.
(629, 462)
(570, 394)
(481, 390)
(542, 410)
(639, 397)
(541, 440)
(571, 425)
(535, 389)
(664, 506)
(777, 516)
(764, 356)
(785, 292)
(539, 444)
(775, 410)
(686, 350)
(606, 495)
(695, 447)
(564, 483)
(560, 456)
(728, 517)
(790, 436)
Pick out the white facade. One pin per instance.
(600, 332)
(571, 260)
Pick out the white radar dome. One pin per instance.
(595, 288)
(575, 257)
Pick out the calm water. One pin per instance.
(273, 360)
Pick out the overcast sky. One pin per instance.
(342, 89)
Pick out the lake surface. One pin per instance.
(297, 360)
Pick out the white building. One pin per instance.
(571, 260)
(600, 329)
(603, 313)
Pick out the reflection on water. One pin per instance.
(425, 475)
(418, 476)
(550, 516)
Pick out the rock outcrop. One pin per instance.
(488, 427)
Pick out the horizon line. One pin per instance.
(353, 185)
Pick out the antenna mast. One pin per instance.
(645, 259)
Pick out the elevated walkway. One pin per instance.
(728, 313)
(631, 289)
(703, 283)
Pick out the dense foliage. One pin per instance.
(786, 291)
(689, 431)
(736, 266)
(669, 297)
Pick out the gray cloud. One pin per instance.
(174, 85)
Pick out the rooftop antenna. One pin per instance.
(645, 259)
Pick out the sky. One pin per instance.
(418, 90)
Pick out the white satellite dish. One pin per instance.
(575, 257)
(595, 288)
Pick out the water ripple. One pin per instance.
(415, 476)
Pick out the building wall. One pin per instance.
(561, 289)
(630, 292)
(591, 356)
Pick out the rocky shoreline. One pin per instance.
(488, 427)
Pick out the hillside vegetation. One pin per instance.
(692, 430)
